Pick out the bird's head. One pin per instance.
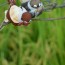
(35, 3)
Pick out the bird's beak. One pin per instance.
(25, 23)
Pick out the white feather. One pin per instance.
(16, 13)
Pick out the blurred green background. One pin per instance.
(40, 43)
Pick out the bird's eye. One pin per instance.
(35, 5)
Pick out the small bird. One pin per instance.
(16, 15)
(35, 7)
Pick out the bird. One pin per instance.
(35, 7)
(16, 15)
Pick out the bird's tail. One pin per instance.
(11, 2)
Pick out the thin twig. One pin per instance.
(3, 4)
(3, 24)
(54, 6)
(48, 19)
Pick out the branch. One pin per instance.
(3, 24)
(48, 19)
(3, 4)
(53, 6)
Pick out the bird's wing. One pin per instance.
(23, 1)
